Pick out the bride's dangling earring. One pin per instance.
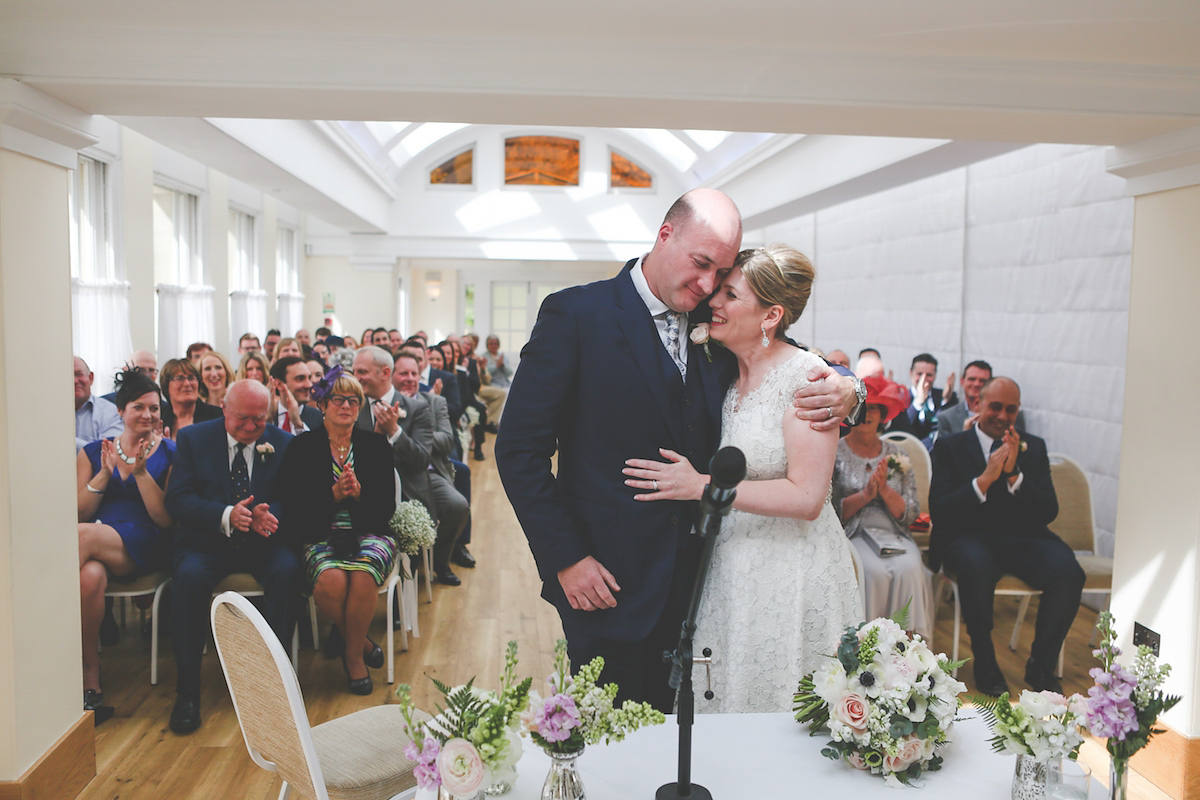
(766, 341)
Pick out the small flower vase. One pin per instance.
(442, 794)
(563, 781)
(504, 776)
(1029, 779)
(1118, 778)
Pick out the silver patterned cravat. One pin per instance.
(673, 342)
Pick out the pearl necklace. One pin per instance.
(131, 460)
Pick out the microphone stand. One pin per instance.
(682, 660)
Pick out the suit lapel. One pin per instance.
(638, 328)
(710, 378)
(974, 451)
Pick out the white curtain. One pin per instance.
(247, 314)
(291, 313)
(100, 334)
(185, 315)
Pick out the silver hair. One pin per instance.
(381, 357)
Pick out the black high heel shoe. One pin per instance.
(361, 686)
(93, 700)
(374, 657)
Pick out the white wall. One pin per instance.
(364, 295)
(1021, 260)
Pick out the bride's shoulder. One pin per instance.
(796, 367)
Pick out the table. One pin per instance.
(743, 756)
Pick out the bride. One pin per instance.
(781, 589)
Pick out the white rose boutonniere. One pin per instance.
(403, 413)
(699, 335)
(265, 449)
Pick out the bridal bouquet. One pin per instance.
(886, 701)
(1043, 725)
(579, 712)
(469, 738)
(1124, 705)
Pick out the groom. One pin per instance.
(609, 374)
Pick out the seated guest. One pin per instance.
(322, 333)
(395, 339)
(216, 373)
(304, 339)
(868, 364)
(962, 416)
(145, 362)
(839, 358)
(196, 351)
(291, 384)
(248, 343)
(441, 453)
(182, 406)
(433, 380)
(498, 366)
(876, 505)
(95, 417)
(920, 418)
(270, 343)
(412, 439)
(321, 350)
(380, 338)
(255, 367)
(121, 513)
(224, 493)
(349, 342)
(316, 368)
(368, 337)
(339, 492)
(990, 501)
(288, 347)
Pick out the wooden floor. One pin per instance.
(463, 633)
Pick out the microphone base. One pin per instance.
(670, 791)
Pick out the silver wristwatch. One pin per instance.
(860, 390)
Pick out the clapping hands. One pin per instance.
(347, 486)
(387, 418)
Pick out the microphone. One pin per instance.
(726, 470)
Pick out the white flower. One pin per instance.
(266, 448)
(830, 683)
(403, 413)
(699, 334)
(1042, 704)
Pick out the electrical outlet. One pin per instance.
(1143, 635)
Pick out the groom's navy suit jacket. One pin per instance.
(200, 489)
(597, 385)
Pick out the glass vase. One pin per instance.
(1029, 779)
(504, 776)
(563, 781)
(1118, 778)
(445, 795)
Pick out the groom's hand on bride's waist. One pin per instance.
(826, 400)
(588, 585)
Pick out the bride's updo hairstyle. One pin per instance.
(779, 275)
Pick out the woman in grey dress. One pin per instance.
(875, 495)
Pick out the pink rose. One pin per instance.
(461, 768)
(909, 750)
(852, 710)
(855, 760)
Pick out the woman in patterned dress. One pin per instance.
(339, 493)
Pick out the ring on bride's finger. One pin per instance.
(656, 486)
(829, 412)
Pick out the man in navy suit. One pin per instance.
(222, 496)
(921, 417)
(429, 378)
(291, 383)
(598, 384)
(991, 500)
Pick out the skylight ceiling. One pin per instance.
(695, 155)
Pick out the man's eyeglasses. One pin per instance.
(345, 400)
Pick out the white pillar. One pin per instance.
(40, 671)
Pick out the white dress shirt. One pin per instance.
(659, 310)
(388, 398)
(231, 446)
(985, 442)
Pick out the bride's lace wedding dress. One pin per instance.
(780, 591)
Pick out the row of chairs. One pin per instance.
(1074, 525)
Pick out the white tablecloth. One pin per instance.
(741, 756)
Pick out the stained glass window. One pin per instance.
(457, 170)
(541, 161)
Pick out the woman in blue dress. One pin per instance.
(122, 516)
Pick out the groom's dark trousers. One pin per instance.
(596, 385)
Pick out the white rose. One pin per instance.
(699, 334)
(1041, 704)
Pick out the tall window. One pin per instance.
(99, 301)
(247, 302)
(541, 160)
(287, 278)
(185, 301)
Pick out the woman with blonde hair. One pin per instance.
(254, 366)
(288, 347)
(216, 373)
(781, 588)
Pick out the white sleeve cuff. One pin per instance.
(225, 527)
(1012, 487)
(975, 485)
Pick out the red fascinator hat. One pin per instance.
(882, 392)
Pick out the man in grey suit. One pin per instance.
(963, 416)
(408, 424)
